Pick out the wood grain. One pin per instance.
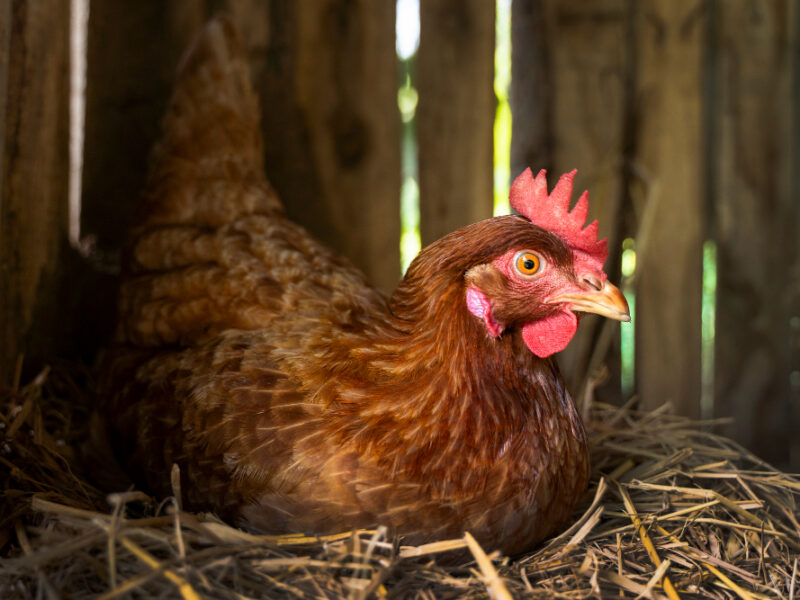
(756, 210)
(34, 169)
(346, 89)
(670, 159)
(532, 93)
(5, 55)
(455, 115)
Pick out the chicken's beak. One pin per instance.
(607, 301)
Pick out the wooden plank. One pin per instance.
(346, 89)
(532, 93)
(670, 160)
(5, 53)
(33, 196)
(756, 210)
(794, 300)
(455, 115)
(570, 101)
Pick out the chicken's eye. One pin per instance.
(527, 263)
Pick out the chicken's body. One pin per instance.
(295, 397)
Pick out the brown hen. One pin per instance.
(294, 396)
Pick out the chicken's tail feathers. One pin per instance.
(207, 168)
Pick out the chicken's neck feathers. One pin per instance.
(443, 399)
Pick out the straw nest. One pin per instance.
(672, 511)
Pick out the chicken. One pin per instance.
(294, 396)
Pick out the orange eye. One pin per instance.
(527, 263)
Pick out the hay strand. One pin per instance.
(648, 545)
(494, 584)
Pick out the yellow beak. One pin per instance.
(608, 302)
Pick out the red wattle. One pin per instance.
(551, 334)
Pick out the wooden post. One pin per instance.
(346, 89)
(34, 73)
(756, 209)
(671, 163)
(455, 115)
(570, 102)
(532, 87)
(5, 55)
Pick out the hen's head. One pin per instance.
(549, 271)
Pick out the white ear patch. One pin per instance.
(480, 306)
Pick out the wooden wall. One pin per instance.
(756, 207)
(679, 115)
(33, 174)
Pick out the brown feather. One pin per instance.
(294, 396)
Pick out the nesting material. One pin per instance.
(672, 511)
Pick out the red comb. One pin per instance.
(551, 212)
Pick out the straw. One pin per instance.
(688, 514)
